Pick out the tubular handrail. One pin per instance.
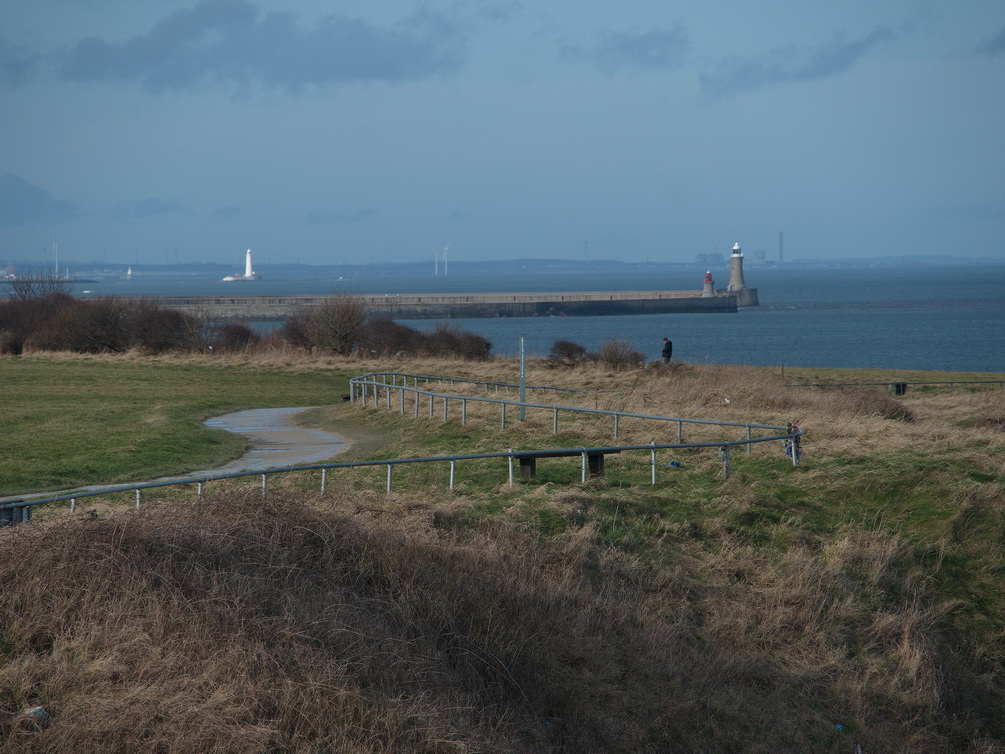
(509, 454)
(369, 379)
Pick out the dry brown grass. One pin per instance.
(237, 625)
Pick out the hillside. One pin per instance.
(853, 600)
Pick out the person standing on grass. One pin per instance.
(667, 349)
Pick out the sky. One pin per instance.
(357, 131)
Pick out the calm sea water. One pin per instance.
(923, 317)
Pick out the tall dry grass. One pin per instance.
(242, 625)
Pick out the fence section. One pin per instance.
(369, 387)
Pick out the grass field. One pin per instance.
(72, 421)
(856, 599)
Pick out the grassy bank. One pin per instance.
(75, 420)
(854, 600)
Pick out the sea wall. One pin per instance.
(447, 306)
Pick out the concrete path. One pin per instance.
(275, 439)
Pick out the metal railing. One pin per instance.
(19, 511)
(369, 386)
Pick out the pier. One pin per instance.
(459, 305)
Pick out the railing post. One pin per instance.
(390, 466)
(73, 504)
(199, 489)
(503, 425)
(445, 401)
(137, 498)
(680, 431)
(654, 462)
(416, 402)
(748, 439)
(583, 464)
(510, 458)
(388, 397)
(616, 418)
(453, 470)
(554, 423)
(401, 400)
(724, 457)
(265, 481)
(464, 412)
(324, 479)
(430, 405)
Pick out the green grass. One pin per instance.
(71, 423)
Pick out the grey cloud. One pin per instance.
(657, 48)
(789, 64)
(22, 203)
(993, 46)
(334, 218)
(16, 64)
(500, 11)
(147, 208)
(229, 42)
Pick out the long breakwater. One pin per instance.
(450, 305)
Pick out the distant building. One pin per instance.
(710, 260)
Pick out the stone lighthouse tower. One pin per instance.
(744, 296)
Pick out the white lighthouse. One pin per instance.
(744, 296)
(249, 272)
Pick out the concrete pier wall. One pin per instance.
(447, 306)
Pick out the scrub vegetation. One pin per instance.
(854, 600)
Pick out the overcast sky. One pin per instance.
(381, 130)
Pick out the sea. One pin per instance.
(946, 317)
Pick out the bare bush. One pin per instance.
(39, 285)
(230, 336)
(334, 325)
(386, 337)
(58, 322)
(450, 340)
(618, 354)
(566, 353)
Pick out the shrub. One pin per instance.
(230, 336)
(58, 322)
(334, 325)
(618, 354)
(450, 340)
(566, 353)
(386, 337)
